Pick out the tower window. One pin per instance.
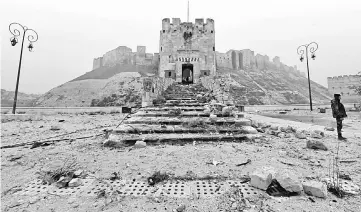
(211, 31)
(170, 74)
(163, 31)
(161, 48)
(214, 48)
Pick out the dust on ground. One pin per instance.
(20, 165)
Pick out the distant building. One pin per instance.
(187, 50)
(124, 55)
(342, 84)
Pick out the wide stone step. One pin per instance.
(121, 139)
(175, 101)
(179, 97)
(172, 108)
(171, 129)
(187, 121)
(182, 114)
(185, 104)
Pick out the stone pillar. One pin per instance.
(147, 89)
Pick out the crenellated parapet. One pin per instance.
(342, 85)
(125, 55)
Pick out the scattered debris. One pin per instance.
(344, 176)
(262, 178)
(215, 163)
(181, 208)
(16, 157)
(245, 163)
(317, 134)
(275, 189)
(314, 188)
(114, 176)
(61, 120)
(316, 145)
(157, 177)
(300, 135)
(311, 199)
(140, 144)
(249, 130)
(75, 182)
(329, 128)
(54, 127)
(348, 161)
(289, 181)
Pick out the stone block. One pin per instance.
(289, 181)
(242, 122)
(262, 178)
(314, 188)
(274, 127)
(316, 145)
(300, 135)
(75, 182)
(249, 130)
(140, 144)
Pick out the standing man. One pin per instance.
(338, 112)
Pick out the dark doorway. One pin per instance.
(187, 74)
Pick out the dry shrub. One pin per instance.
(159, 100)
(67, 170)
(175, 112)
(194, 122)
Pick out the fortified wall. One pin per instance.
(341, 85)
(124, 55)
(186, 49)
(246, 60)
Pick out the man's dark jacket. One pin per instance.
(338, 110)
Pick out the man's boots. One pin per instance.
(340, 137)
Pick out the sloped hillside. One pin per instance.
(121, 89)
(108, 72)
(23, 99)
(257, 87)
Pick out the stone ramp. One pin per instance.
(181, 119)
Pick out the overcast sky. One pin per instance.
(73, 32)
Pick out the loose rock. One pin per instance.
(262, 178)
(329, 128)
(274, 127)
(75, 182)
(300, 135)
(289, 181)
(140, 144)
(249, 130)
(314, 188)
(316, 145)
(54, 128)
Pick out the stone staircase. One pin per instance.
(181, 119)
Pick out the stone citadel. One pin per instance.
(342, 84)
(187, 51)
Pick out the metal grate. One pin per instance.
(92, 187)
(174, 189)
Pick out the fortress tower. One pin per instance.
(187, 50)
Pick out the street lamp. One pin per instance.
(15, 29)
(311, 47)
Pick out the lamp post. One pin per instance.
(15, 29)
(311, 47)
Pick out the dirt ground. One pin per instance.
(19, 165)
